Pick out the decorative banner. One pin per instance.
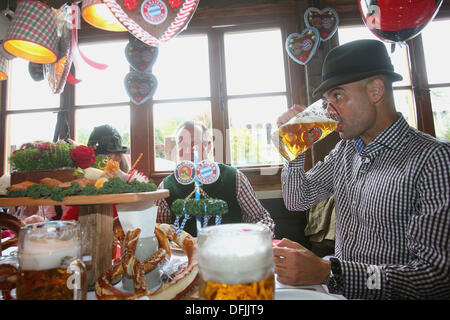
(326, 21)
(58, 72)
(153, 21)
(398, 20)
(140, 86)
(185, 172)
(207, 172)
(301, 47)
(140, 56)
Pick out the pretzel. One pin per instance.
(8, 273)
(13, 224)
(135, 268)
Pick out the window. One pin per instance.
(252, 93)
(403, 95)
(100, 97)
(438, 70)
(31, 113)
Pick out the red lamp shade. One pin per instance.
(97, 14)
(32, 33)
(4, 65)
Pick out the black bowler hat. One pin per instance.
(355, 61)
(105, 139)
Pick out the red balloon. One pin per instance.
(397, 20)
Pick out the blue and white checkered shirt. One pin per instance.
(392, 202)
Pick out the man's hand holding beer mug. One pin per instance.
(299, 128)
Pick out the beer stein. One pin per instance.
(236, 262)
(49, 262)
(301, 132)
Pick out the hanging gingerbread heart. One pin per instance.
(326, 21)
(153, 21)
(140, 86)
(140, 55)
(301, 47)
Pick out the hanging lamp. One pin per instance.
(97, 14)
(4, 65)
(32, 33)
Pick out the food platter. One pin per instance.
(85, 200)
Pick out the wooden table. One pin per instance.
(96, 217)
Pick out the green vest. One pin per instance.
(224, 188)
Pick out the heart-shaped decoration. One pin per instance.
(153, 21)
(326, 21)
(140, 56)
(140, 86)
(301, 47)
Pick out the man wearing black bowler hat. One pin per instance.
(391, 185)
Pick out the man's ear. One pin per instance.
(375, 90)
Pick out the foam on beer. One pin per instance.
(235, 259)
(46, 253)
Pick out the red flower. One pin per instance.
(42, 147)
(82, 156)
(14, 152)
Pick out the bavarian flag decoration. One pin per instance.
(207, 172)
(185, 172)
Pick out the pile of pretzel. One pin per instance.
(128, 264)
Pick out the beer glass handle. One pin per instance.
(77, 280)
(8, 280)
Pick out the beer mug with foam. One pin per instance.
(236, 262)
(49, 264)
(301, 132)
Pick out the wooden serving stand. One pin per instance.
(96, 217)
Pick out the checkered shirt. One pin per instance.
(392, 211)
(252, 209)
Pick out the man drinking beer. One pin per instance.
(391, 185)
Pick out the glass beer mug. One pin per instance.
(236, 262)
(49, 262)
(301, 132)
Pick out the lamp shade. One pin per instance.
(97, 14)
(4, 64)
(32, 33)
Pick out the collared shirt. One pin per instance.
(392, 211)
(253, 211)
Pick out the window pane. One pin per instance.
(27, 93)
(399, 57)
(404, 104)
(252, 121)
(102, 86)
(117, 117)
(27, 127)
(436, 51)
(440, 99)
(254, 62)
(166, 119)
(182, 68)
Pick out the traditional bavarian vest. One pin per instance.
(224, 188)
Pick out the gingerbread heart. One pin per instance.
(326, 21)
(153, 21)
(140, 55)
(140, 86)
(301, 47)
